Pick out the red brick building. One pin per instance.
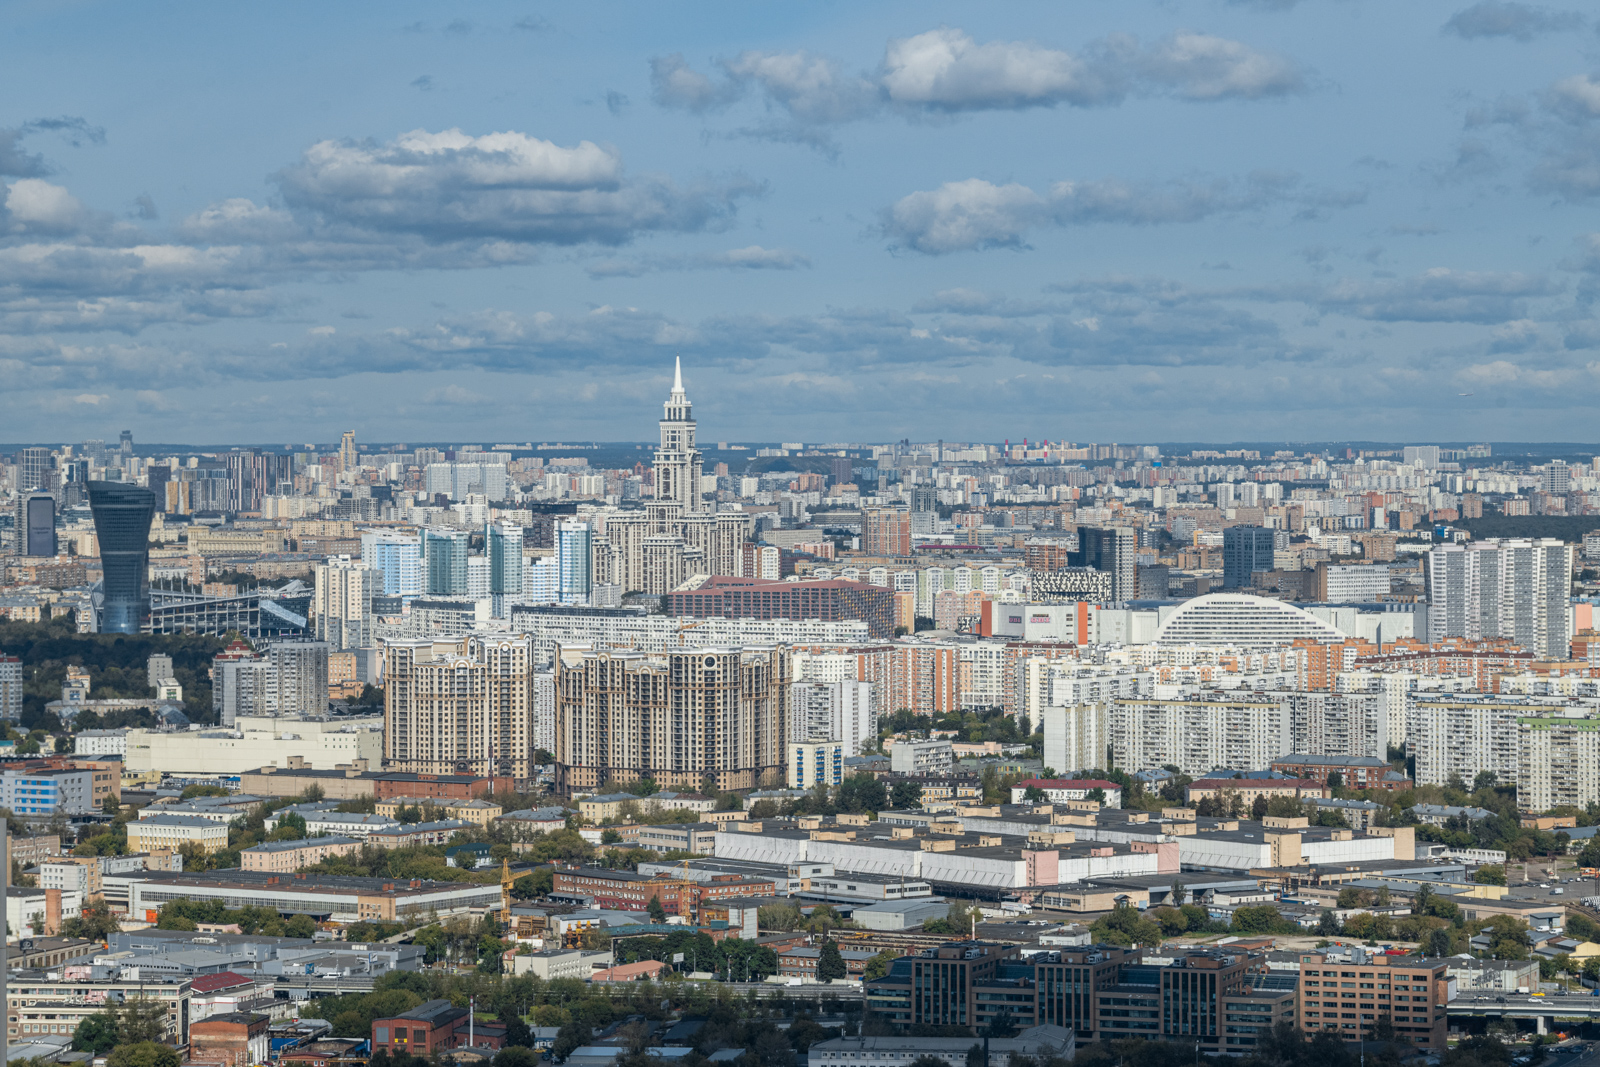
(235, 1039)
(631, 891)
(437, 786)
(434, 1026)
(1355, 772)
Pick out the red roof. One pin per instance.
(1069, 783)
(213, 983)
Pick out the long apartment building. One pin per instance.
(1517, 589)
(1549, 749)
(460, 706)
(552, 626)
(1244, 730)
(678, 718)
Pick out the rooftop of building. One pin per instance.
(306, 842)
(342, 885)
(184, 821)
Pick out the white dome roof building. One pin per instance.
(1242, 621)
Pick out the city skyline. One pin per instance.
(1166, 220)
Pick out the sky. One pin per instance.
(1218, 220)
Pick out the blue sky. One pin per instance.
(1084, 221)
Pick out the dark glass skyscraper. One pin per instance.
(1245, 550)
(122, 513)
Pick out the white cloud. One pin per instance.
(1440, 295)
(964, 215)
(676, 84)
(945, 69)
(1202, 67)
(33, 205)
(810, 87)
(974, 213)
(450, 186)
(1577, 97)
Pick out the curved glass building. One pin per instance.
(122, 513)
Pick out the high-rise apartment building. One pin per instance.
(924, 510)
(674, 537)
(289, 678)
(341, 602)
(253, 474)
(398, 560)
(840, 711)
(503, 547)
(347, 451)
(36, 524)
(10, 688)
(122, 515)
(34, 469)
(574, 562)
(887, 531)
(444, 561)
(678, 460)
(1245, 550)
(680, 718)
(1517, 589)
(1114, 550)
(460, 706)
(297, 678)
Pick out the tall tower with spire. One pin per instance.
(678, 461)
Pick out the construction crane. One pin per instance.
(505, 892)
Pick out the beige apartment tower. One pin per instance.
(460, 706)
(678, 718)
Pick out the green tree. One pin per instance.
(906, 795)
(1490, 874)
(98, 1033)
(878, 966)
(94, 921)
(658, 914)
(571, 1036)
(300, 926)
(142, 1054)
(141, 1020)
(830, 964)
(516, 1056)
(1328, 923)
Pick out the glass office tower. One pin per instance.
(122, 512)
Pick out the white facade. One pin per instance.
(544, 710)
(1198, 735)
(255, 742)
(838, 711)
(398, 558)
(1465, 735)
(1518, 589)
(660, 633)
(10, 688)
(1339, 724)
(1075, 738)
(341, 602)
(100, 742)
(1246, 621)
(921, 757)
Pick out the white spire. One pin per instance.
(677, 374)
